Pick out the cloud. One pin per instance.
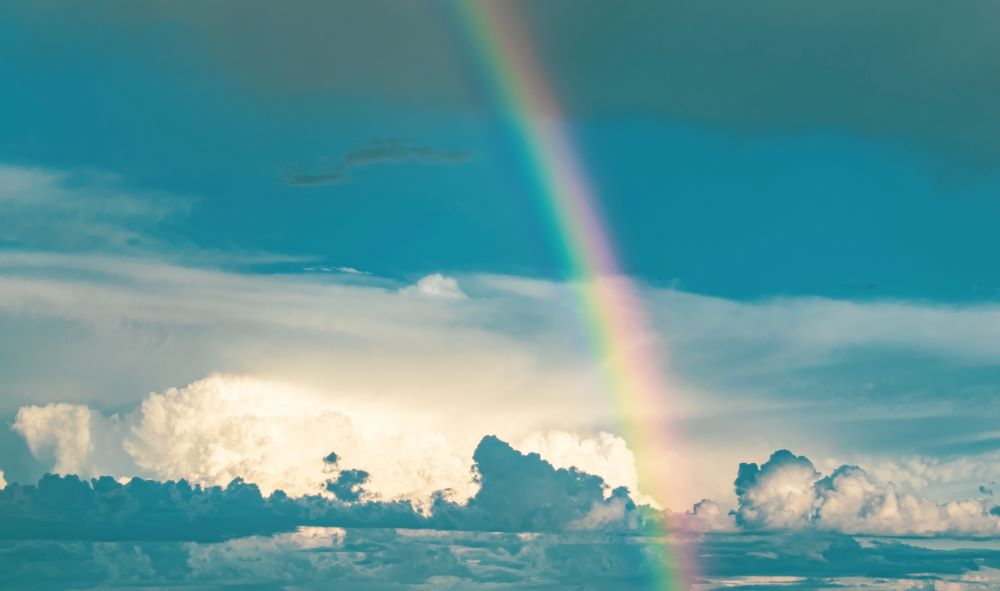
(435, 286)
(529, 521)
(277, 436)
(516, 493)
(102, 331)
(79, 440)
(708, 515)
(383, 152)
(79, 210)
(225, 427)
(3, 483)
(169, 534)
(893, 72)
(606, 455)
(787, 492)
(522, 492)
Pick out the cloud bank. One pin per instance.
(276, 436)
(502, 354)
(529, 521)
(517, 493)
(284, 441)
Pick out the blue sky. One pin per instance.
(304, 227)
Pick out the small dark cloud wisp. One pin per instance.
(384, 151)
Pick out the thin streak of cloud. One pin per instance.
(386, 151)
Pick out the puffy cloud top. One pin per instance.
(225, 427)
(787, 492)
(436, 286)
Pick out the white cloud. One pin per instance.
(76, 438)
(271, 434)
(786, 492)
(708, 515)
(352, 271)
(277, 435)
(436, 286)
(3, 483)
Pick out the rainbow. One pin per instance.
(607, 302)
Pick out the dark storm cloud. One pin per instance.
(377, 152)
(919, 73)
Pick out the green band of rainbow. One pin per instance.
(607, 302)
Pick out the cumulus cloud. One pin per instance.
(708, 515)
(77, 439)
(523, 492)
(605, 455)
(225, 427)
(787, 492)
(517, 493)
(3, 482)
(436, 286)
(386, 151)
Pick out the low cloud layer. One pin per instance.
(390, 559)
(529, 521)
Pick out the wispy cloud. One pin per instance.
(379, 152)
(47, 208)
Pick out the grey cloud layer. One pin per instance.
(910, 72)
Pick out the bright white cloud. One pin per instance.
(787, 492)
(277, 436)
(77, 439)
(436, 286)
(3, 483)
(224, 427)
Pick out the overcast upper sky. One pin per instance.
(237, 236)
